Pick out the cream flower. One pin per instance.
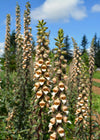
(41, 80)
(61, 131)
(63, 98)
(40, 62)
(53, 136)
(56, 103)
(43, 68)
(55, 90)
(61, 86)
(59, 118)
(39, 94)
(45, 90)
(42, 104)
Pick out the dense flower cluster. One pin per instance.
(82, 111)
(59, 109)
(18, 25)
(27, 47)
(42, 66)
(7, 48)
(42, 97)
(76, 64)
(18, 39)
(91, 58)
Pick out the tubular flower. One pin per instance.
(27, 47)
(82, 111)
(41, 78)
(42, 63)
(7, 48)
(59, 109)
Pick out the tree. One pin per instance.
(68, 55)
(95, 43)
(97, 58)
(84, 44)
(98, 44)
(97, 50)
(12, 63)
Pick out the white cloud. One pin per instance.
(55, 10)
(1, 48)
(96, 8)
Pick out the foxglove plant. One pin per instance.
(74, 80)
(27, 39)
(26, 83)
(82, 109)
(91, 70)
(7, 48)
(14, 117)
(22, 93)
(76, 67)
(41, 90)
(20, 113)
(59, 105)
(18, 32)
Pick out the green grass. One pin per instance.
(96, 84)
(96, 75)
(96, 102)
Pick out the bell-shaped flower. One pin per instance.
(39, 94)
(60, 131)
(55, 90)
(59, 118)
(40, 62)
(45, 90)
(47, 76)
(56, 103)
(63, 98)
(43, 67)
(41, 80)
(53, 136)
(61, 86)
(42, 104)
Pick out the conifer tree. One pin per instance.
(59, 105)
(84, 44)
(41, 89)
(68, 55)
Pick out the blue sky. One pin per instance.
(75, 17)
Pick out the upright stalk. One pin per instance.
(41, 87)
(91, 70)
(7, 49)
(59, 110)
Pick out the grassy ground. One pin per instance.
(96, 75)
(96, 97)
(96, 103)
(96, 84)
